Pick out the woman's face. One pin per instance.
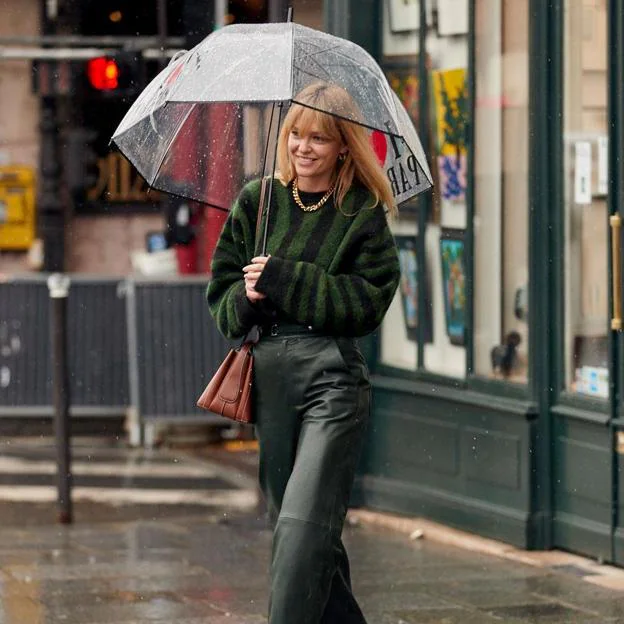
(313, 154)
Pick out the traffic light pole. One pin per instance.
(54, 53)
(51, 217)
(58, 286)
(162, 29)
(50, 209)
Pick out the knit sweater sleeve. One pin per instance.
(351, 302)
(233, 313)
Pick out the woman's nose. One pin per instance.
(304, 144)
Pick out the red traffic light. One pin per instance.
(103, 73)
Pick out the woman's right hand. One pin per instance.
(252, 274)
(252, 294)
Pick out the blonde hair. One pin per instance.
(310, 107)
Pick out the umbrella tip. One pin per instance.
(289, 17)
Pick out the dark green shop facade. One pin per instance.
(498, 377)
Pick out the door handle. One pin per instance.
(615, 221)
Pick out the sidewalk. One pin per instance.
(209, 565)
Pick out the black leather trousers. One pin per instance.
(312, 401)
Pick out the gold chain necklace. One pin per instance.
(313, 207)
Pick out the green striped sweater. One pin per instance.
(335, 273)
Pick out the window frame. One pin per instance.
(419, 211)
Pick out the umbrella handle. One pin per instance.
(267, 209)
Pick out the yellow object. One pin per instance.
(449, 91)
(17, 207)
(240, 445)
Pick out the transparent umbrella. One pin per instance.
(208, 122)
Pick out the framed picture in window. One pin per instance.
(452, 246)
(411, 280)
(402, 75)
(452, 17)
(452, 118)
(405, 15)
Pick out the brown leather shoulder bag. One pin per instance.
(228, 393)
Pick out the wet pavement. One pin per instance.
(112, 481)
(212, 569)
(201, 564)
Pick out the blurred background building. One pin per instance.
(498, 370)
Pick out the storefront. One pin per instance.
(498, 378)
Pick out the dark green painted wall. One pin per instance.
(459, 462)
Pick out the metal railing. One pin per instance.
(144, 347)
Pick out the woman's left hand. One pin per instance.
(253, 271)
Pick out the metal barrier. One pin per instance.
(174, 349)
(97, 347)
(138, 347)
(24, 348)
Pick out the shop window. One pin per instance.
(501, 190)
(585, 178)
(433, 260)
(435, 337)
(445, 239)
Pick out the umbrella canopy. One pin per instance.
(201, 128)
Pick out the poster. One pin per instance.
(450, 94)
(409, 285)
(402, 75)
(405, 15)
(454, 283)
(452, 17)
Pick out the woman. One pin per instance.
(330, 274)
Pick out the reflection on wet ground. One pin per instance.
(212, 569)
(136, 554)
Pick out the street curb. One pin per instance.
(419, 528)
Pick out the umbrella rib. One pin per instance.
(292, 60)
(312, 56)
(309, 73)
(175, 136)
(348, 61)
(355, 121)
(339, 52)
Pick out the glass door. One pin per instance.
(584, 416)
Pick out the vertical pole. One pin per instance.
(280, 10)
(162, 31)
(50, 209)
(58, 286)
(51, 215)
(221, 8)
(470, 205)
(424, 202)
(545, 188)
(615, 200)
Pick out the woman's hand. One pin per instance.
(252, 273)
